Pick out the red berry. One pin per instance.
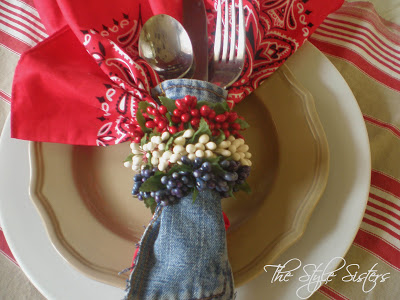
(205, 110)
(185, 118)
(187, 100)
(232, 117)
(176, 119)
(180, 105)
(156, 120)
(146, 116)
(217, 126)
(226, 114)
(220, 118)
(181, 127)
(137, 139)
(195, 122)
(211, 115)
(194, 102)
(225, 125)
(239, 136)
(234, 132)
(211, 126)
(150, 124)
(149, 110)
(195, 112)
(162, 109)
(172, 130)
(162, 124)
(215, 132)
(227, 133)
(177, 113)
(235, 126)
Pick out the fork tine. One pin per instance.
(242, 33)
(217, 40)
(233, 31)
(226, 32)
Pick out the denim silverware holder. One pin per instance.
(183, 252)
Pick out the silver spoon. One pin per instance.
(166, 46)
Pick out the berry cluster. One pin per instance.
(203, 175)
(139, 179)
(225, 122)
(233, 176)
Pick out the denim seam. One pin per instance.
(192, 87)
(145, 262)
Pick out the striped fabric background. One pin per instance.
(366, 50)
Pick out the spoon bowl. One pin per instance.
(166, 46)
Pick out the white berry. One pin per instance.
(165, 136)
(204, 138)
(127, 164)
(180, 141)
(247, 155)
(150, 146)
(156, 154)
(211, 146)
(208, 153)
(199, 153)
(178, 149)
(243, 148)
(154, 161)
(224, 144)
(192, 156)
(161, 147)
(162, 166)
(166, 155)
(190, 148)
(236, 156)
(175, 157)
(231, 138)
(200, 146)
(135, 146)
(232, 148)
(226, 153)
(188, 133)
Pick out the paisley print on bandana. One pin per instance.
(272, 36)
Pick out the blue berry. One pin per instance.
(137, 178)
(231, 176)
(164, 180)
(185, 160)
(185, 180)
(197, 162)
(206, 177)
(140, 197)
(225, 164)
(179, 184)
(164, 203)
(225, 188)
(171, 183)
(147, 173)
(157, 198)
(206, 166)
(175, 175)
(196, 173)
(200, 184)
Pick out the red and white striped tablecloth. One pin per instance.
(365, 48)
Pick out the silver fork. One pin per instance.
(226, 69)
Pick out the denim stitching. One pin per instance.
(150, 226)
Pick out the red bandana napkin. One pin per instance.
(82, 84)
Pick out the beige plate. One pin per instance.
(83, 193)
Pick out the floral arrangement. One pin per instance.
(184, 146)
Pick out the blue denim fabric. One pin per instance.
(183, 254)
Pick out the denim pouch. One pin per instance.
(183, 253)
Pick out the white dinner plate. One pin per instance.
(330, 232)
